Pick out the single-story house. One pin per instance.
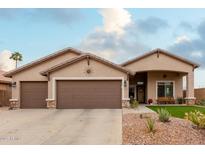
(72, 79)
(5, 89)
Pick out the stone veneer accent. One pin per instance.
(190, 101)
(126, 103)
(51, 104)
(14, 104)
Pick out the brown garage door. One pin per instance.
(88, 94)
(34, 94)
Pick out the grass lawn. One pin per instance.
(178, 111)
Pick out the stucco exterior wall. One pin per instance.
(163, 62)
(33, 73)
(153, 77)
(78, 69)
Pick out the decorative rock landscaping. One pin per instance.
(177, 131)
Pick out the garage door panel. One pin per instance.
(88, 94)
(34, 94)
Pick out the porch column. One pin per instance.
(190, 99)
(51, 102)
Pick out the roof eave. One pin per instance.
(157, 50)
(36, 62)
(69, 62)
(5, 82)
(7, 75)
(196, 66)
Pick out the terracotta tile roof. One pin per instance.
(4, 79)
(84, 56)
(36, 62)
(163, 52)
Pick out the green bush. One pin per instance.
(134, 104)
(150, 125)
(196, 118)
(180, 100)
(202, 102)
(164, 115)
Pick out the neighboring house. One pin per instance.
(199, 93)
(73, 79)
(5, 89)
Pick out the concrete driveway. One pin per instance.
(52, 126)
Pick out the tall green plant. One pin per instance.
(16, 56)
(150, 125)
(134, 104)
(164, 115)
(180, 100)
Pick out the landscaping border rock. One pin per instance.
(177, 131)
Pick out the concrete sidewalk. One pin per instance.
(141, 109)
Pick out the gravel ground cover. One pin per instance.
(177, 131)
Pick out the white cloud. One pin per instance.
(6, 64)
(197, 54)
(107, 54)
(115, 20)
(115, 39)
(182, 38)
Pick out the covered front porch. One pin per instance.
(161, 87)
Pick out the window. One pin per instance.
(132, 90)
(165, 89)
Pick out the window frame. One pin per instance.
(165, 82)
(135, 90)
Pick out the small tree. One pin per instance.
(16, 56)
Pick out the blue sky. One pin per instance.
(116, 34)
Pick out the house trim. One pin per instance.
(87, 56)
(158, 52)
(41, 60)
(135, 90)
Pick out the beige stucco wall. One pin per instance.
(153, 77)
(164, 62)
(78, 69)
(33, 73)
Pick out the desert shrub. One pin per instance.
(150, 124)
(164, 115)
(134, 104)
(201, 102)
(180, 100)
(131, 98)
(196, 118)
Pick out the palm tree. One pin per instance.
(17, 57)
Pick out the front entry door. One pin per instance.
(141, 94)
